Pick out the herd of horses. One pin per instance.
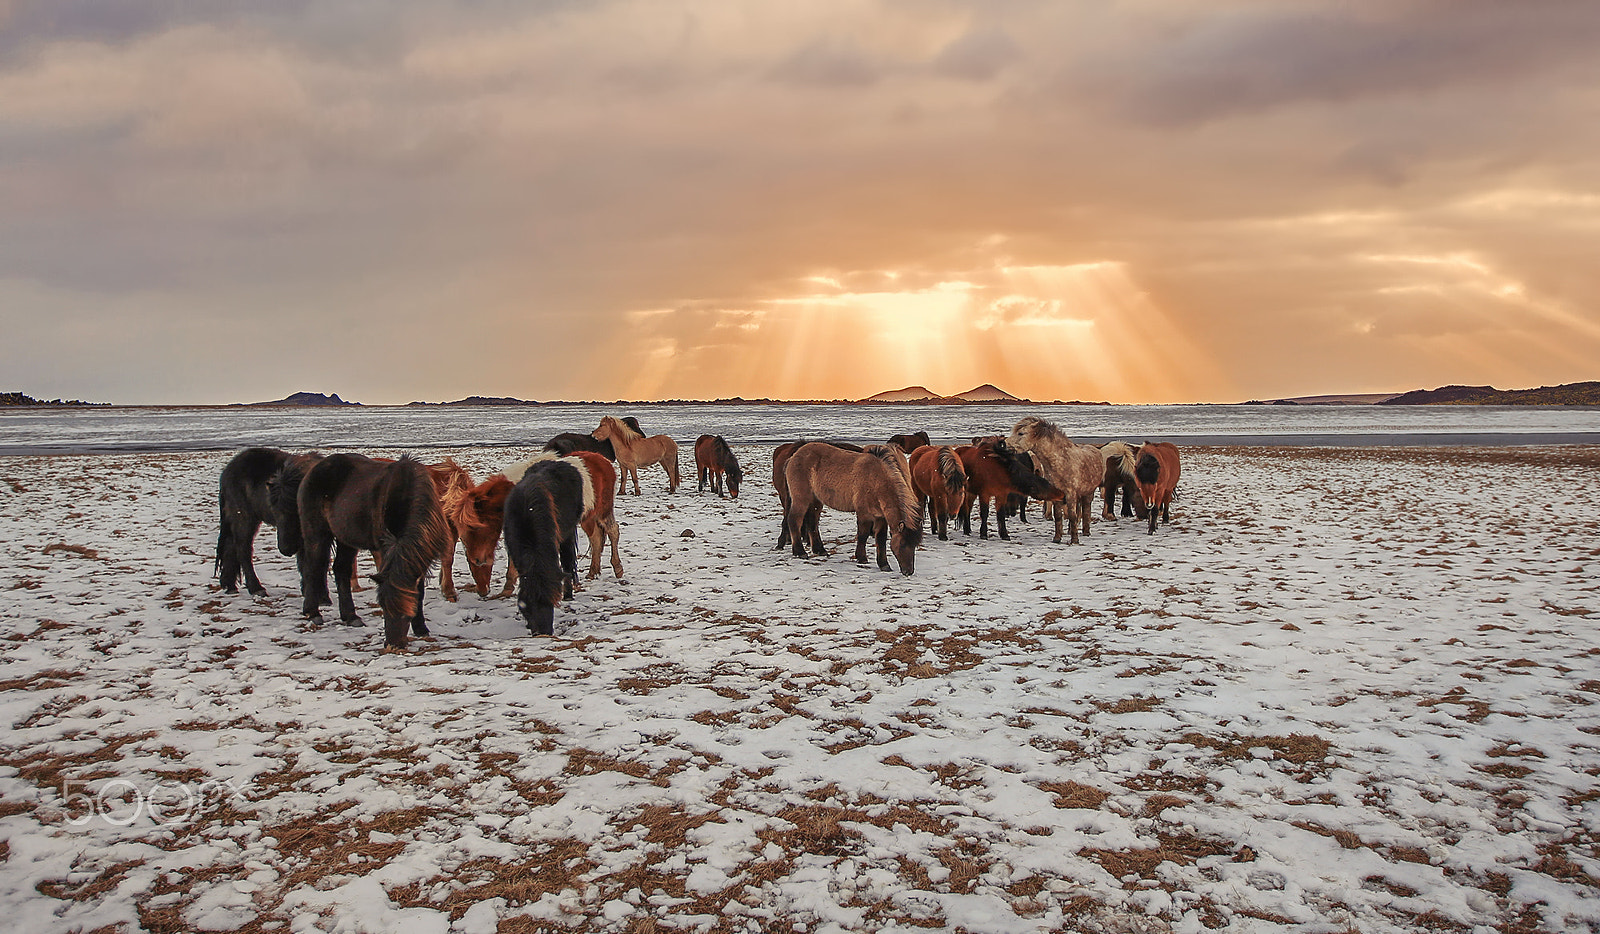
(328, 508)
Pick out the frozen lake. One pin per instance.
(131, 429)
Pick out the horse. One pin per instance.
(355, 502)
(910, 442)
(780, 457)
(569, 442)
(553, 497)
(476, 516)
(941, 481)
(634, 450)
(1119, 475)
(714, 459)
(598, 519)
(874, 484)
(245, 501)
(1078, 470)
(995, 470)
(1156, 473)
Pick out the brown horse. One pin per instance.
(634, 451)
(1156, 472)
(940, 480)
(713, 460)
(780, 457)
(995, 471)
(1119, 476)
(354, 502)
(475, 516)
(1077, 470)
(874, 484)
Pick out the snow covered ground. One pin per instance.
(1347, 689)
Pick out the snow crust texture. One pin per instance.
(1344, 690)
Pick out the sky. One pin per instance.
(1137, 202)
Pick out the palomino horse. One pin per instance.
(874, 484)
(995, 470)
(552, 499)
(1156, 472)
(910, 442)
(713, 459)
(780, 457)
(635, 451)
(244, 499)
(1119, 476)
(1077, 470)
(941, 481)
(569, 442)
(392, 509)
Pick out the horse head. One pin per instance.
(904, 542)
(1023, 473)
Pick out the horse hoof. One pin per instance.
(352, 621)
(451, 597)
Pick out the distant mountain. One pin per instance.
(1359, 398)
(480, 400)
(908, 394)
(1587, 393)
(988, 392)
(309, 398)
(18, 398)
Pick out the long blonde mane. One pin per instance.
(900, 475)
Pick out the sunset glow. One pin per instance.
(1150, 202)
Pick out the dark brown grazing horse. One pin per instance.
(939, 478)
(541, 527)
(995, 471)
(245, 501)
(780, 457)
(569, 442)
(713, 459)
(910, 442)
(354, 502)
(874, 484)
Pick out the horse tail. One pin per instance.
(955, 476)
(414, 535)
(224, 539)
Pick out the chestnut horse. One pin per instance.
(1119, 476)
(1077, 470)
(553, 497)
(1156, 472)
(635, 451)
(941, 481)
(995, 470)
(713, 459)
(355, 502)
(874, 484)
(780, 457)
(245, 501)
(570, 441)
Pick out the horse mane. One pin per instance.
(1123, 453)
(729, 463)
(587, 478)
(900, 474)
(621, 429)
(1033, 429)
(515, 471)
(460, 503)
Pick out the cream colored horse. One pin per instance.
(635, 450)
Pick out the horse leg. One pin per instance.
(966, 513)
(1000, 521)
(447, 568)
(344, 565)
(863, 532)
(511, 579)
(794, 527)
(1108, 501)
(880, 529)
(983, 517)
(1154, 510)
(313, 561)
(1086, 510)
(419, 626)
(1056, 509)
(703, 471)
(614, 532)
(597, 544)
(813, 526)
(569, 567)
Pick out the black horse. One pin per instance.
(910, 442)
(245, 500)
(568, 442)
(390, 508)
(542, 514)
